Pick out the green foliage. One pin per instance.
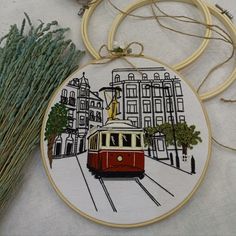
(187, 135)
(57, 120)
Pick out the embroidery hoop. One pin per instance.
(198, 3)
(215, 12)
(169, 213)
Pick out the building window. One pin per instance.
(72, 98)
(104, 140)
(146, 106)
(134, 121)
(114, 140)
(99, 104)
(58, 146)
(130, 76)
(82, 105)
(91, 115)
(158, 105)
(146, 90)
(98, 116)
(168, 91)
(138, 140)
(156, 76)
(72, 94)
(144, 76)
(92, 103)
(178, 89)
(181, 119)
(167, 75)
(84, 91)
(71, 113)
(159, 120)
(70, 123)
(82, 120)
(127, 140)
(147, 121)
(132, 107)
(169, 105)
(117, 78)
(180, 104)
(64, 93)
(64, 98)
(160, 145)
(131, 90)
(157, 90)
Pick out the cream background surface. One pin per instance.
(37, 210)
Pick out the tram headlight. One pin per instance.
(119, 158)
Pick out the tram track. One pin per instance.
(107, 194)
(159, 185)
(147, 192)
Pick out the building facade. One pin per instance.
(149, 97)
(85, 110)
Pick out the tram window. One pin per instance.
(104, 138)
(93, 142)
(114, 140)
(127, 140)
(138, 140)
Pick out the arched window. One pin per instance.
(117, 78)
(92, 103)
(72, 94)
(178, 89)
(156, 76)
(72, 98)
(64, 93)
(168, 91)
(130, 76)
(98, 104)
(167, 75)
(144, 76)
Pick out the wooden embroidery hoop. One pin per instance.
(169, 213)
(198, 3)
(215, 12)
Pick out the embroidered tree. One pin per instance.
(56, 123)
(186, 136)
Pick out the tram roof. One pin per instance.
(116, 125)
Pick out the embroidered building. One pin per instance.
(85, 110)
(149, 98)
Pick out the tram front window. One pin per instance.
(114, 140)
(138, 140)
(127, 140)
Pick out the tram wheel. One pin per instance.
(141, 176)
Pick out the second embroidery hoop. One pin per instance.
(216, 13)
(198, 3)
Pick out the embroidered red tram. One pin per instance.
(116, 150)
